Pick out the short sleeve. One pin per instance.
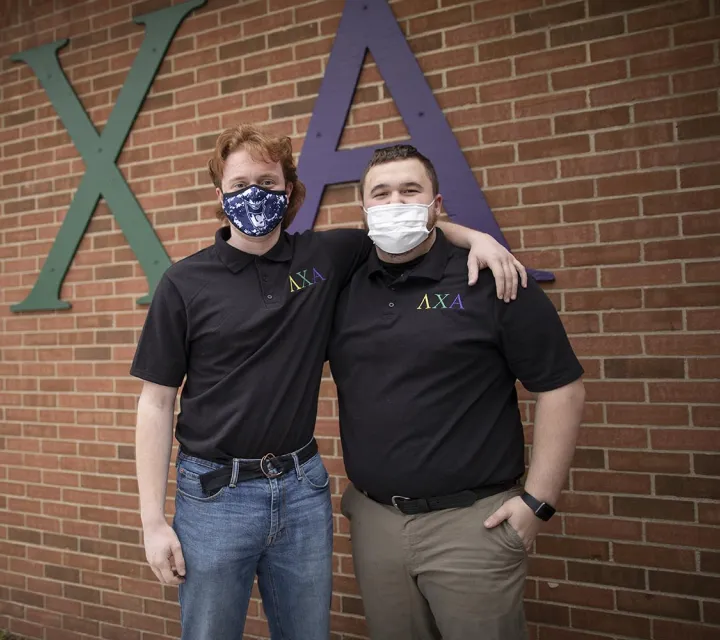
(534, 342)
(349, 248)
(161, 355)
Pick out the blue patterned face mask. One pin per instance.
(255, 211)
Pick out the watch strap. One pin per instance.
(542, 510)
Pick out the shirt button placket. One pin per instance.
(264, 280)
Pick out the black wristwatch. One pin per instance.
(541, 509)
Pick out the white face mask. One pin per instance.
(398, 228)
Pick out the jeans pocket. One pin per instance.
(315, 473)
(188, 486)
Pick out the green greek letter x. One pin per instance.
(100, 152)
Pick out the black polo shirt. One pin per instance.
(249, 336)
(426, 369)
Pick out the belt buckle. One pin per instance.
(268, 474)
(394, 500)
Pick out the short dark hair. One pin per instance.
(400, 152)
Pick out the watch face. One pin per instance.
(545, 511)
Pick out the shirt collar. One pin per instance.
(431, 268)
(236, 260)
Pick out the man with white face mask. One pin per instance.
(431, 429)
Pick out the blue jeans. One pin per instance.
(279, 528)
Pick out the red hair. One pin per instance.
(261, 146)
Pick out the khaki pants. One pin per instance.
(439, 575)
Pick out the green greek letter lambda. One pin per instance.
(100, 152)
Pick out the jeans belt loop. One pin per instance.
(296, 460)
(235, 473)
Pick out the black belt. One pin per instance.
(467, 498)
(268, 466)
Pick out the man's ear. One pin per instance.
(438, 204)
(219, 195)
(288, 189)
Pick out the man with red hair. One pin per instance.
(245, 325)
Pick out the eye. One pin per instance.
(411, 191)
(268, 182)
(239, 185)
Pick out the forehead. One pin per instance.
(240, 164)
(397, 172)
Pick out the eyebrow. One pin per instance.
(403, 185)
(264, 176)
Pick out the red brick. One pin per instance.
(699, 128)
(701, 345)
(707, 368)
(598, 164)
(631, 91)
(630, 45)
(641, 461)
(695, 296)
(603, 7)
(676, 107)
(577, 595)
(633, 137)
(590, 120)
(690, 248)
(569, 145)
(681, 154)
(491, 9)
(554, 59)
(611, 528)
(578, 234)
(658, 605)
(550, 104)
(587, 31)
(644, 182)
(703, 176)
(557, 191)
(644, 368)
(608, 574)
(598, 300)
(683, 583)
(440, 20)
(672, 60)
(602, 255)
(654, 556)
(667, 15)
(598, 209)
(702, 320)
(592, 74)
(696, 392)
(697, 80)
(508, 89)
(512, 46)
(641, 275)
(671, 630)
(512, 131)
(611, 482)
(548, 17)
(521, 173)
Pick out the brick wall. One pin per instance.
(593, 127)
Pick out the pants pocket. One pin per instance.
(188, 484)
